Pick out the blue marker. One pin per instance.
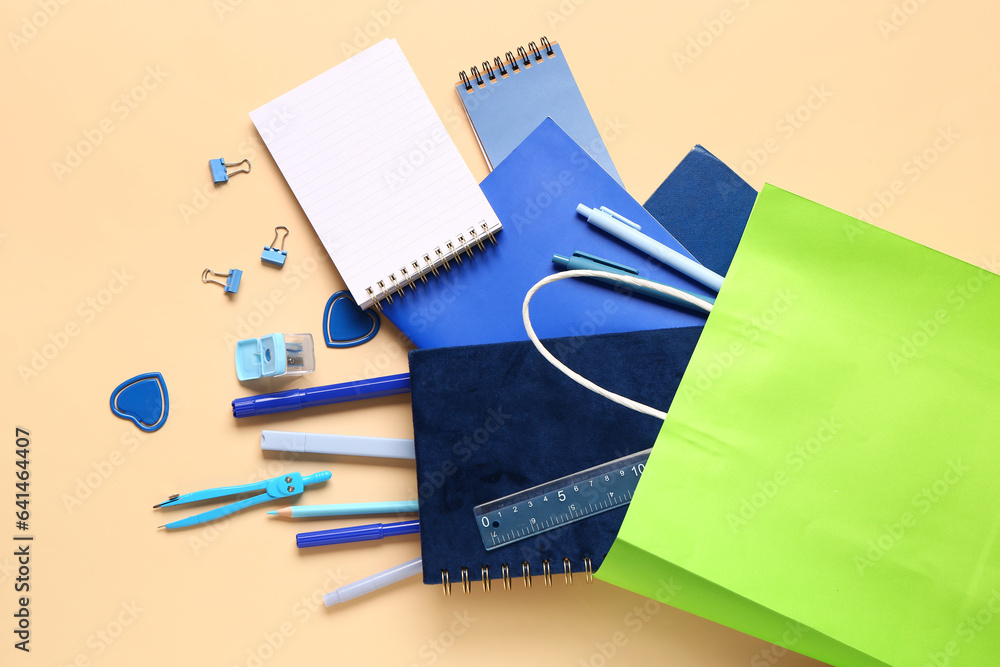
(371, 531)
(296, 399)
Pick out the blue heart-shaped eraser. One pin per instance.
(142, 400)
(345, 324)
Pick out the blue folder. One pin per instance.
(505, 109)
(535, 192)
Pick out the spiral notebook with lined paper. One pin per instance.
(376, 173)
(508, 97)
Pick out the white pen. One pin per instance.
(374, 582)
(345, 445)
(605, 219)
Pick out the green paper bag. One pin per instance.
(827, 476)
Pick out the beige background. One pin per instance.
(895, 79)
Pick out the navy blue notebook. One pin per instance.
(491, 420)
(535, 192)
(705, 205)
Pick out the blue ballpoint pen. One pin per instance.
(621, 218)
(628, 231)
(371, 531)
(582, 260)
(296, 399)
(282, 486)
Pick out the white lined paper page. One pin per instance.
(374, 169)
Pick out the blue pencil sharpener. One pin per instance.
(275, 355)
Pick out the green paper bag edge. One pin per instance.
(639, 571)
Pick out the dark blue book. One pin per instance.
(491, 420)
(705, 205)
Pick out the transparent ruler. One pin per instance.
(559, 502)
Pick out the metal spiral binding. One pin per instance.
(417, 270)
(512, 61)
(490, 72)
(567, 564)
(534, 47)
(466, 582)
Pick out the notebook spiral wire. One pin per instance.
(546, 574)
(429, 263)
(514, 64)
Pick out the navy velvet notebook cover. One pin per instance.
(705, 205)
(490, 420)
(535, 192)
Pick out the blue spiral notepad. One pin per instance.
(508, 98)
(534, 193)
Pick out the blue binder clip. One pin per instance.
(232, 284)
(273, 254)
(219, 173)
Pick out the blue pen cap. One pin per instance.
(275, 355)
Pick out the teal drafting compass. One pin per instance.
(282, 486)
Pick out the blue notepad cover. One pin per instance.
(505, 110)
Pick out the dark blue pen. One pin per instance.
(372, 531)
(296, 399)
